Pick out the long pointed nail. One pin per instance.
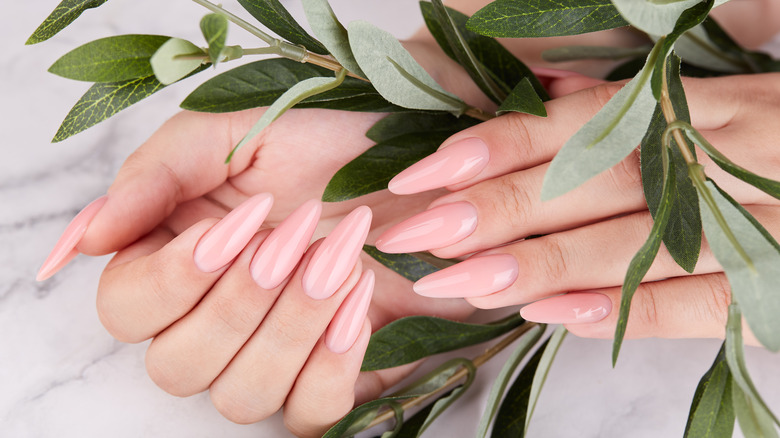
(282, 250)
(65, 249)
(436, 228)
(456, 163)
(475, 277)
(334, 259)
(572, 308)
(225, 240)
(345, 327)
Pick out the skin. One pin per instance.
(259, 350)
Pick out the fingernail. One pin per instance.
(572, 308)
(475, 277)
(345, 327)
(225, 240)
(282, 249)
(455, 163)
(65, 249)
(435, 228)
(334, 259)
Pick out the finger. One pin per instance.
(140, 297)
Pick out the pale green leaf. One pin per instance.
(331, 33)
(444, 402)
(754, 420)
(111, 59)
(696, 48)
(274, 16)
(523, 99)
(63, 15)
(543, 369)
(712, 414)
(176, 59)
(654, 18)
(215, 30)
(395, 74)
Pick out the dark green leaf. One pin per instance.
(712, 413)
(543, 369)
(544, 18)
(504, 68)
(373, 169)
(63, 15)
(400, 125)
(510, 420)
(683, 233)
(409, 339)
(274, 16)
(411, 266)
(260, 83)
(215, 29)
(754, 421)
(105, 100)
(523, 99)
(412, 427)
(111, 59)
(642, 260)
(505, 375)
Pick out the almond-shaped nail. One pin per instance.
(572, 308)
(282, 249)
(456, 163)
(345, 327)
(475, 277)
(228, 237)
(65, 249)
(336, 256)
(435, 228)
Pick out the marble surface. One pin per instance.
(62, 375)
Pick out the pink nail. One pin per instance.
(456, 163)
(436, 228)
(334, 259)
(65, 249)
(225, 240)
(282, 250)
(345, 327)
(475, 277)
(572, 308)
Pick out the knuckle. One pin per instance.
(645, 311)
(167, 377)
(519, 138)
(553, 260)
(235, 314)
(514, 204)
(111, 313)
(626, 173)
(717, 298)
(239, 409)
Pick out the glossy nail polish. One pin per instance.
(65, 249)
(475, 277)
(346, 324)
(456, 163)
(282, 249)
(228, 237)
(336, 256)
(571, 308)
(435, 228)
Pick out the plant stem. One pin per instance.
(460, 374)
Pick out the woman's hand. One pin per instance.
(590, 234)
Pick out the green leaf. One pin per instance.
(612, 134)
(274, 16)
(174, 60)
(445, 401)
(642, 260)
(409, 339)
(712, 413)
(683, 232)
(553, 343)
(402, 140)
(111, 59)
(525, 345)
(545, 18)
(652, 17)
(735, 356)
(411, 427)
(395, 74)
(510, 420)
(502, 66)
(697, 48)
(754, 420)
(410, 266)
(576, 53)
(104, 100)
(361, 416)
(63, 15)
(295, 94)
(331, 32)
(754, 281)
(215, 30)
(260, 83)
(753, 61)
(523, 99)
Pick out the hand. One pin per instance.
(496, 171)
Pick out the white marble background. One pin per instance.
(62, 375)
